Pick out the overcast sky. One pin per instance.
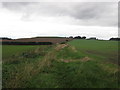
(93, 19)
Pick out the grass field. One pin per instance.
(76, 64)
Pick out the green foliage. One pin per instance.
(68, 53)
(46, 66)
(107, 50)
(83, 75)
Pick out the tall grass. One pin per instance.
(46, 67)
(18, 69)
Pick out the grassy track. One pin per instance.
(78, 64)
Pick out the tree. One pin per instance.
(92, 38)
(115, 39)
(71, 37)
(5, 38)
(83, 37)
(77, 37)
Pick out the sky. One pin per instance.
(31, 19)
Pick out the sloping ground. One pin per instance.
(60, 66)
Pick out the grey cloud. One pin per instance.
(14, 5)
(90, 13)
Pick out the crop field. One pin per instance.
(41, 40)
(76, 64)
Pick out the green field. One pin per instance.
(76, 64)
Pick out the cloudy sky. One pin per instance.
(28, 19)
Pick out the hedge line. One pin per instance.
(27, 43)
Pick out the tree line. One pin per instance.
(76, 37)
(93, 38)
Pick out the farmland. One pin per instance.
(76, 64)
(35, 41)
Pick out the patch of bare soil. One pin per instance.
(61, 46)
(66, 61)
(85, 59)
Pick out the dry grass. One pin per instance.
(19, 77)
(73, 48)
(85, 59)
(60, 46)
